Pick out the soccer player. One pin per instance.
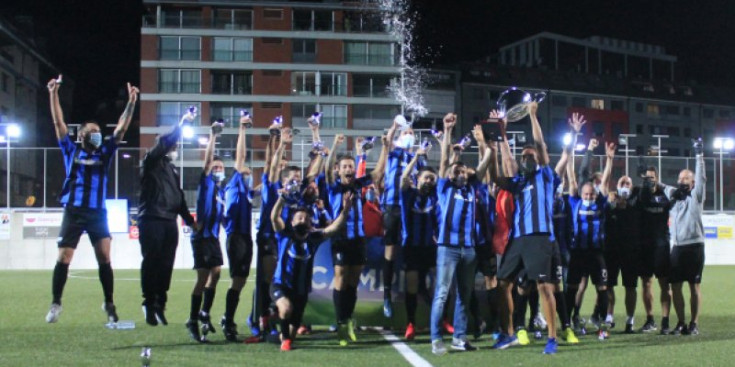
(622, 247)
(532, 245)
(655, 250)
(398, 158)
(205, 241)
(418, 232)
(83, 196)
(456, 192)
(687, 240)
(238, 223)
(297, 247)
(588, 222)
(161, 201)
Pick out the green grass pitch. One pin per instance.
(80, 338)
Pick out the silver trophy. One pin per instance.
(437, 133)
(368, 143)
(145, 357)
(426, 144)
(217, 126)
(315, 119)
(292, 191)
(245, 113)
(464, 143)
(278, 121)
(189, 116)
(513, 103)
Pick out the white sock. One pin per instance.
(609, 318)
(630, 320)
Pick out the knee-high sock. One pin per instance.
(352, 300)
(387, 277)
(411, 305)
(339, 307)
(61, 271)
(492, 302)
(208, 299)
(561, 309)
(520, 304)
(475, 307)
(107, 280)
(533, 304)
(602, 301)
(231, 301)
(286, 328)
(196, 303)
(570, 295)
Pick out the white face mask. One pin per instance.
(173, 155)
(587, 202)
(219, 176)
(624, 192)
(405, 141)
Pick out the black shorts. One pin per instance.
(557, 265)
(532, 253)
(419, 258)
(590, 262)
(392, 225)
(687, 263)
(654, 258)
(662, 264)
(78, 220)
(207, 253)
(486, 261)
(267, 245)
(349, 252)
(298, 301)
(239, 254)
(625, 262)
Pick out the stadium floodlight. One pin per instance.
(187, 132)
(13, 131)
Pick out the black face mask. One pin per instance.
(426, 189)
(301, 229)
(681, 192)
(528, 168)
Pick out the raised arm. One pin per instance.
(481, 150)
(56, 113)
(124, 121)
(450, 120)
(275, 168)
(700, 176)
(215, 130)
(278, 224)
(503, 182)
(576, 123)
(406, 182)
(607, 172)
(337, 224)
(509, 164)
(241, 150)
(538, 135)
(378, 172)
(573, 189)
(331, 158)
(272, 141)
(484, 163)
(583, 173)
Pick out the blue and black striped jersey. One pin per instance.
(588, 222)
(86, 173)
(456, 213)
(534, 202)
(238, 205)
(295, 265)
(418, 218)
(353, 227)
(398, 159)
(210, 207)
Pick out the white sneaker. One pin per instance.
(438, 348)
(540, 322)
(53, 313)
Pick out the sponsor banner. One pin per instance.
(718, 226)
(41, 225)
(5, 226)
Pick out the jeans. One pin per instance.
(450, 261)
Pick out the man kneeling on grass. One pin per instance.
(297, 245)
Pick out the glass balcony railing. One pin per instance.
(246, 56)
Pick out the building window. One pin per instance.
(578, 102)
(708, 113)
(639, 129)
(312, 20)
(598, 104)
(559, 101)
(687, 132)
(5, 83)
(598, 128)
(273, 13)
(304, 50)
(687, 111)
(232, 82)
(652, 110)
(478, 93)
(303, 83)
(228, 112)
(181, 18)
(302, 111)
(671, 110)
(232, 49)
(375, 86)
(179, 81)
(233, 19)
(180, 48)
(169, 113)
(617, 105)
(369, 53)
(333, 84)
(724, 113)
(334, 116)
(639, 107)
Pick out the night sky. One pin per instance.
(97, 42)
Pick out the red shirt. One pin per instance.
(504, 207)
(372, 219)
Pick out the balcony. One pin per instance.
(246, 56)
(370, 59)
(173, 87)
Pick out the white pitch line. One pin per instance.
(406, 352)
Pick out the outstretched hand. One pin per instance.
(53, 85)
(450, 120)
(577, 121)
(133, 92)
(610, 150)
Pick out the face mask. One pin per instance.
(370, 195)
(301, 229)
(248, 181)
(587, 202)
(406, 141)
(460, 181)
(681, 192)
(95, 139)
(426, 189)
(624, 192)
(173, 155)
(529, 167)
(219, 176)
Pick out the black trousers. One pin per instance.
(158, 241)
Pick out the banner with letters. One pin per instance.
(41, 225)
